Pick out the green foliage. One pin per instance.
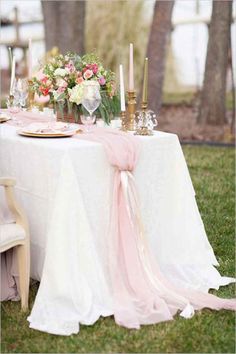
(187, 97)
(212, 172)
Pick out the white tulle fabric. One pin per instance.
(65, 187)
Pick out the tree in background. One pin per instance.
(64, 25)
(212, 107)
(156, 51)
(111, 26)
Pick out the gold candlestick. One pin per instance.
(131, 110)
(30, 96)
(123, 121)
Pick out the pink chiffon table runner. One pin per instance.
(141, 293)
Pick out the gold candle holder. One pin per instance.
(131, 111)
(30, 96)
(123, 121)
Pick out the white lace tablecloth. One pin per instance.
(61, 182)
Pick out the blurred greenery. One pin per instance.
(188, 97)
(111, 26)
(212, 172)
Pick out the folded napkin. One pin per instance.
(51, 127)
(32, 115)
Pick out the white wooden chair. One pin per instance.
(17, 235)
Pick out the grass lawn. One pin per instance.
(188, 97)
(212, 171)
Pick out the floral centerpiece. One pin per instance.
(62, 80)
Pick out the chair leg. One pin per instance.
(23, 257)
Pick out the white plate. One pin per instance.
(48, 130)
(53, 134)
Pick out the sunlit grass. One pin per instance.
(212, 172)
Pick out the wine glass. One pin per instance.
(22, 89)
(14, 107)
(91, 101)
(87, 121)
(14, 90)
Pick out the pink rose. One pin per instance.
(44, 79)
(95, 68)
(40, 75)
(87, 74)
(61, 89)
(102, 80)
(70, 67)
(44, 90)
(79, 80)
(64, 84)
(61, 82)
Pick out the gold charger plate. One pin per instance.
(48, 135)
(4, 119)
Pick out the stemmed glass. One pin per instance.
(22, 90)
(14, 107)
(91, 101)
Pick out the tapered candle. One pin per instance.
(13, 71)
(30, 59)
(122, 90)
(131, 67)
(145, 81)
(10, 55)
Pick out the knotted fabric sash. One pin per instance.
(141, 294)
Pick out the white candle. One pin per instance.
(131, 67)
(122, 90)
(13, 71)
(30, 58)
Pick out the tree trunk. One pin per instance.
(212, 107)
(156, 51)
(64, 25)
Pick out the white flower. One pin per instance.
(76, 93)
(60, 81)
(56, 95)
(60, 72)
